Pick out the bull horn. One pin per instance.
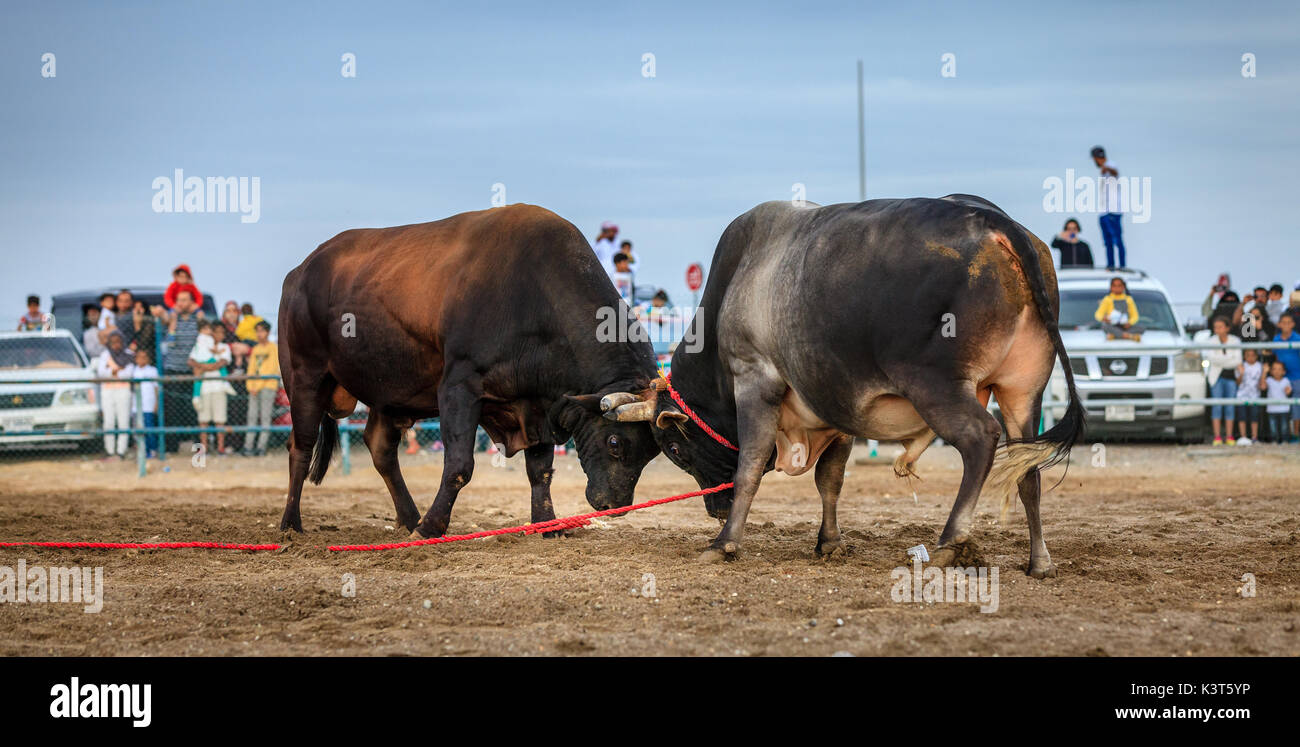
(633, 412)
(616, 399)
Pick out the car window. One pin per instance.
(1078, 307)
(39, 352)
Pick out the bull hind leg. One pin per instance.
(459, 407)
(1021, 414)
(539, 460)
(830, 479)
(308, 412)
(955, 414)
(382, 437)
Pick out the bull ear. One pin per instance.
(589, 402)
(669, 417)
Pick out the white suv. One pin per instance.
(1113, 385)
(33, 412)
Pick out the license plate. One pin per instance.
(18, 425)
(1120, 413)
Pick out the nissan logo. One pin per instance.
(1118, 367)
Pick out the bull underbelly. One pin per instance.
(802, 436)
(512, 425)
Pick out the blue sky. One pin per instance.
(549, 100)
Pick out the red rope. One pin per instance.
(691, 414)
(568, 522)
(141, 545)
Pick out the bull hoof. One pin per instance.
(1042, 570)
(831, 549)
(423, 531)
(719, 552)
(557, 534)
(943, 557)
(294, 523)
(963, 554)
(711, 556)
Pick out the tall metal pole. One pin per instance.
(862, 141)
(872, 444)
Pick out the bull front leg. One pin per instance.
(830, 479)
(459, 407)
(758, 409)
(538, 461)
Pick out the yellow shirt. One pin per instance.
(247, 329)
(264, 360)
(1107, 305)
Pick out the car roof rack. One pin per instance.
(1090, 273)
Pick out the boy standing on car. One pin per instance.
(34, 320)
(1112, 205)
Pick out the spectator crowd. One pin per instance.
(131, 342)
(1268, 315)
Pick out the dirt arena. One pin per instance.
(1150, 551)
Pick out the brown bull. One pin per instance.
(487, 318)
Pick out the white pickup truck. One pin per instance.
(36, 413)
(1114, 383)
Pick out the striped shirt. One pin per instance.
(178, 353)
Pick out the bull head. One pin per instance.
(703, 458)
(611, 450)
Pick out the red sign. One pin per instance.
(694, 277)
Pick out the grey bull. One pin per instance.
(886, 319)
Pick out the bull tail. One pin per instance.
(325, 443)
(1021, 456)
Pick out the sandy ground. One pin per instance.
(1150, 551)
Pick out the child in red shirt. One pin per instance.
(182, 280)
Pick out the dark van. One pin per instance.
(70, 308)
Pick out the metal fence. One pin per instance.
(38, 420)
(42, 417)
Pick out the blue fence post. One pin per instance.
(162, 391)
(137, 396)
(345, 440)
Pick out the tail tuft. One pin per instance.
(325, 444)
(1024, 455)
